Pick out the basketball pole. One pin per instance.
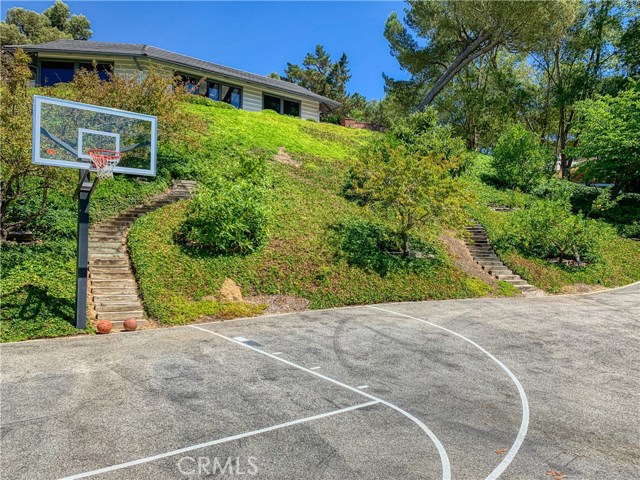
(83, 192)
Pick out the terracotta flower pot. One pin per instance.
(104, 326)
(130, 324)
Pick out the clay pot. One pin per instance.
(104, 326)
(130, 324)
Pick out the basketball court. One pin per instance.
(517, 388)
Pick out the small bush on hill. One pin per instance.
(370, 246)
(228, 217)
(519, 161)
(548, 229)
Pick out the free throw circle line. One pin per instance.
(444, 458)
(524, 424)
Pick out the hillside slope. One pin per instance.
(306, 164)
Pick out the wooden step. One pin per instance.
(129, 282)
(110, 268)
(110, 291)
(114, 316)
(119, 307)
(102, 299)
(110, 275)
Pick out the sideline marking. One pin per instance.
(275, 353)
(363, 387)
(218, 441)
(444, 459)
(524, 425)
(315, 368)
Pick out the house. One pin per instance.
(57, 61)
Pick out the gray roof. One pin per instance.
(140, 50)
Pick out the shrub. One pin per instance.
(369, 246)
(548, 229)
(519, 160)
(227, 217)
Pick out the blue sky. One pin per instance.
(260, 37)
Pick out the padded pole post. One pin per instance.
(85, 188)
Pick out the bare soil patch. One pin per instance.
(283, 157)
(463, 259)
(280, 303)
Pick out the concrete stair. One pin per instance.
(482, 252)
(113, 292)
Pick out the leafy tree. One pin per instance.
(26, 26)
(519, 160)
(21, 182)
(320, 74)
(411, 173)
(629, 48)
(609, 129)
(457, 33)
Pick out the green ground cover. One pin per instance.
(619, 262)
(303, 256)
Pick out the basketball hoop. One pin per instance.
(104, 161)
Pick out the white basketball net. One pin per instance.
(105, 161)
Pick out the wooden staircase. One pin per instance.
(113, 292)
(482, 252)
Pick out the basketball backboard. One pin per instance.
(65, 131)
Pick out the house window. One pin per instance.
(271, 103)
(190, 84)
(281, 105)
(232, 95)
(56, 72)
(103, 69)
(291, 108)
(213, 91)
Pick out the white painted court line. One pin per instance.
(444, 459)
(524, 424)
(276, 353)
(363, 387)
(218, 441)
(315, 368)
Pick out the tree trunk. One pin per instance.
(405, 244)
(462, 60)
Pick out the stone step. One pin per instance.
(480, 249)
(493, 264)
(486, 256)
(516, 283)
(110, 275)
(495, 271)
(114, 283)
(508, 278)
(115, 316)
(526, 288)
(101, 299)
(119, 307)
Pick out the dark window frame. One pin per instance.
(76, 66)
(282, 100)
(208, 82)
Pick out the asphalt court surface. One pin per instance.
(519, 388)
